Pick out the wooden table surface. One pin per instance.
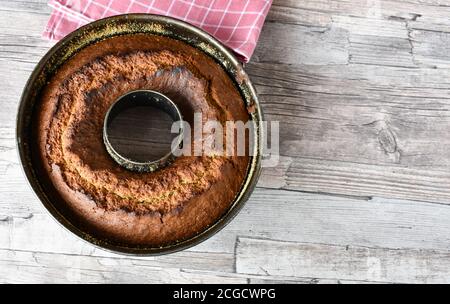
(362, 191)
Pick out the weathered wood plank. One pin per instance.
(368, 26)
(291, 280)
(299, 217)
(297, 44)
(36, 267)
(367, 180)
(33, 7)
(286, 15)
(388, 125)
(429, 11)
(430, 47)
(345, 262)
(338, 220)
(369, 32)
(39, 267)
(381, 51)
(20, 21)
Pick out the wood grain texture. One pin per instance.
(28, 267)
(361, 264)
(300, 217)
(362, 92)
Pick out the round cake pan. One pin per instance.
(125, 25)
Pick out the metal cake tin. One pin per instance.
(104, 29)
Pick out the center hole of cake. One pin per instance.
(141, 133)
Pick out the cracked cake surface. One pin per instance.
(158, 208)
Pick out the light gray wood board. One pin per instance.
(361, 88)
(59, 268)
(301, 219)
(342, 262)
(32, 267)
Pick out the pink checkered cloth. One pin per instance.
(236, 23)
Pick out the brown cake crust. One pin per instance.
(157, 208)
